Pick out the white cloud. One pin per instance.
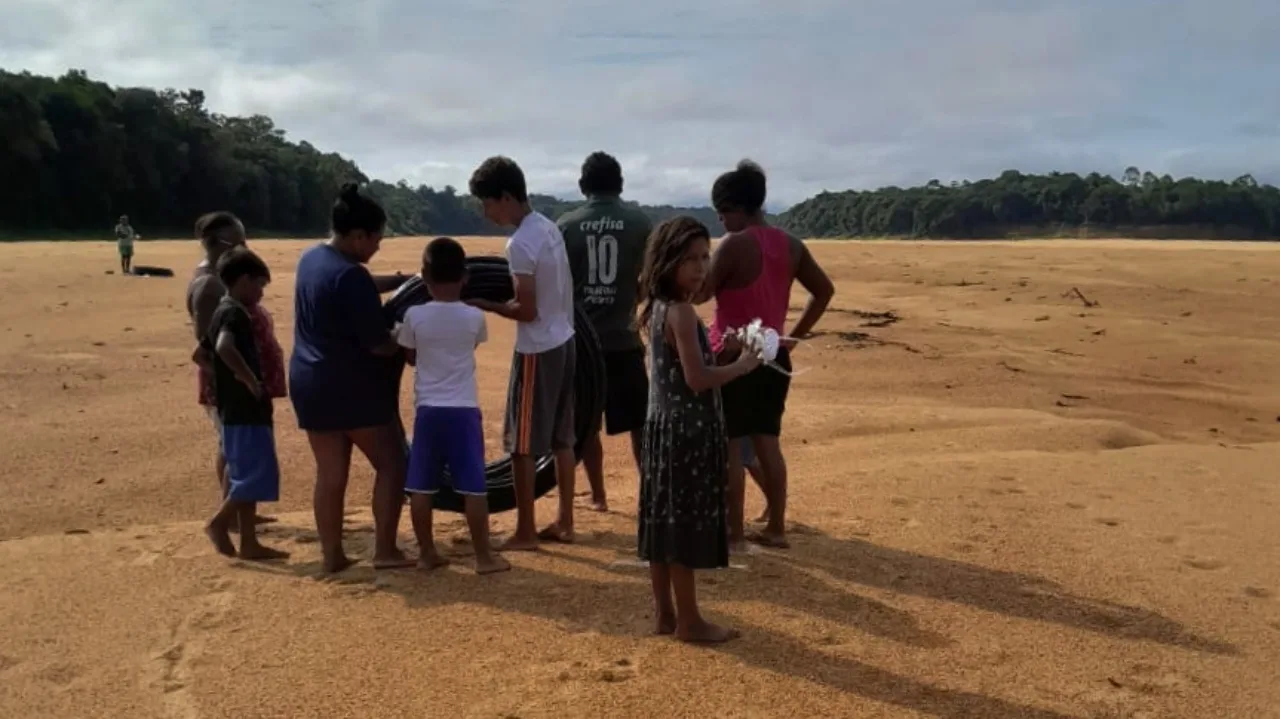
(826, 94)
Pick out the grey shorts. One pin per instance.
(539, 415)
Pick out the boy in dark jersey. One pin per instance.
(605, 240)
(244, 406)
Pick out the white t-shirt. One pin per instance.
(445, 336)
(537, 248)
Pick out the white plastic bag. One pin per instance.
(764, 342)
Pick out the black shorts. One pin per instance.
(754, 403)
(626, 391)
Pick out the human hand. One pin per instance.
(788, 343)
(482, 304)
(201, 357)
(255, 387)
(747, 361)
(732, 344)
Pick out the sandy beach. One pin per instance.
(1038, 489)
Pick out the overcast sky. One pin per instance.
(826, 94)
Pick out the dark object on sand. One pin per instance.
(149, 271)
(489, 278)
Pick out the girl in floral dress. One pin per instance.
(683, 507)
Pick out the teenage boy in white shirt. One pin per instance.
(540, 400)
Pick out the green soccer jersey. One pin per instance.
(605, 241)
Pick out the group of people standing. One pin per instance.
(701, 413)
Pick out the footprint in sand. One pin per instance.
(60, 674)
(619, 671)
(1153, 679)
(1168, 539)
(1108, 521)
(1075, 505)
(1258, 593)
(8, 662)
(1204, 563)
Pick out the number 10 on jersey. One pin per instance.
(602, 259)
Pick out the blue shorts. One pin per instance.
(252, 467)
(447, 450)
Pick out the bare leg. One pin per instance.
(774, 467)
(690, 626)
(637, 447)
(758, 477)
(420, 514)
(217, 530)
(487, 561)
(250, 548)
(737, 497)
(332, 451)
(660, 576)
(384, 448)
(593, 463)
(525, 538)
(224, 487)
(562, 529)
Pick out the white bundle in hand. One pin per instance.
(759, 340)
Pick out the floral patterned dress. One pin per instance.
(683, 485)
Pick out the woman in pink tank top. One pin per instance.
(752, 270)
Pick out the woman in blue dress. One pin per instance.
(344, 376)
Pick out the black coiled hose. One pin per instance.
(489, 278)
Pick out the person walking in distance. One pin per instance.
(539, 416)
(752, 271)
(124, 244)
(605, 240)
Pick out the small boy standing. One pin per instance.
(440, 339)
(244, 406)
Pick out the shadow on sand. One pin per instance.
(620, 606)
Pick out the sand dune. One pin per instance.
(1008, 501)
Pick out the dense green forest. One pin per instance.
(77, 153)
(1138, 203)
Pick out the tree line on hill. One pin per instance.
(77, 153)
(1049, 203)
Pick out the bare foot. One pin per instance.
(740, 547)
(492, 565)
(221, 539)
(766, 539)
(554, 533)
(600, 505)
(764, 517)
(516, 543)
(427, 562)
(259, 553)
(338, 564)
(666, 624)
(707, 633)
(394, 561)
(263, 519)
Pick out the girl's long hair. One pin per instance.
(666, 249)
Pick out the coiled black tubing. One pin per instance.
(489, 278)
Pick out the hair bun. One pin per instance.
(350, 191)
(748, 165)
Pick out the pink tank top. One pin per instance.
(765, 298)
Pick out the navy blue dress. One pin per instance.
(335, 381)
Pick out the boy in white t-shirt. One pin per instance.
(440, 338)
(540, 392)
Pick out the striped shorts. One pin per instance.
(539, 416)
